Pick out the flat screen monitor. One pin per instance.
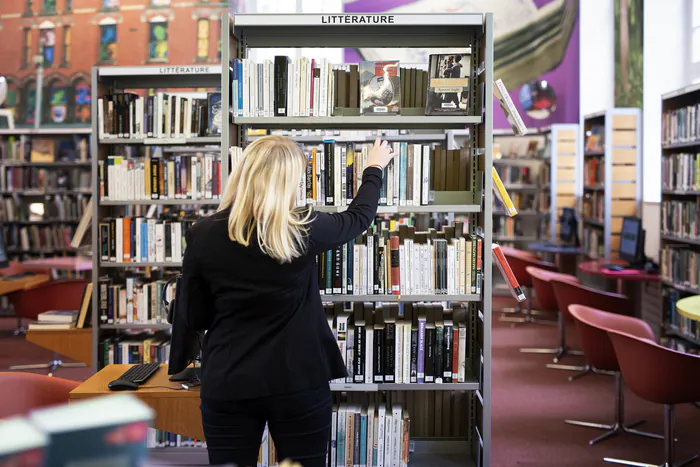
(185, 343)
(4, 263)
(631, 240)
(568, 226)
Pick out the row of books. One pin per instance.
(507, 226)
(142, 240)
(681, 125)
(195, 176)
(593, 205)
(680, 172)
(526, 202)
(685, 326)
(374, 435)
(334, 174)
(595, 138)
(54, 208)
(32, 238)
(401, 343)
(680, 345)
(593, 242)
(134, 348)
(680, 265)
(681, 218)
(404, 262)
(516, 175)
(127, 115)
(136, 301)
(67, 319)
(35, 178)
(162, 439)
(305, 87)
(14, 149)
(593, 172)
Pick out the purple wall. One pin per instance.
(564, 79)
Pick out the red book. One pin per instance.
(395, 265)
(126, 228)
(500, 259)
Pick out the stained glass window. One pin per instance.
(158, 41)
(47, 40)
(202, 39)
(57, 101)
(83, 101)
(49, 6)
(108, 42)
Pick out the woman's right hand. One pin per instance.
(380, 154)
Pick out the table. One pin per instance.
(595, 268)
(22, 283)
(689, 307)
(76, 263)
(176, 409)
(72, 343)
(560, 252)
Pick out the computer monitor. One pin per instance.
(568, 226)
(4, 263)
(185, 344)
(632, 241)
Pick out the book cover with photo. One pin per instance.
(448, 85)
(380, 85)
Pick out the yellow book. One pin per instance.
(502, 194)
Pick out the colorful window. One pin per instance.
(158, 40)
(47, 39)
(57, 102)
(202, 39)
(108, 42)
(83, 101)
(49, 6)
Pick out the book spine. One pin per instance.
(421, 351)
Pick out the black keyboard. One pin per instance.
(20, 275)
(134, 377)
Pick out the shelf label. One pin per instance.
(357, 19)
(185, 70)
(149, 141)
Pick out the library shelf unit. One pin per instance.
(38, 219)
(680, 195)
(564, 166)
(612, 178)
(469, 402)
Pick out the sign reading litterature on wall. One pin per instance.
(186, 70)
(358, 19)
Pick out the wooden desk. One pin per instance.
(46, 264)
(71, 343)
(176, 411)
(9, 286)
(689, 307)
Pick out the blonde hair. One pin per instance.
(261, 192)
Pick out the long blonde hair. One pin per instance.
(261, 192)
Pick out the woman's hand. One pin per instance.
(380, 154)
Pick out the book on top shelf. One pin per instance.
(381, 88)
(448, 84)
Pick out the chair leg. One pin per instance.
(528, 312)
(21, 330)
(618, 426)
(587, 370)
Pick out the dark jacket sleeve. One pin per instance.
(331, 230)
(197, 307)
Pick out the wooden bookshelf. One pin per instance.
(612, 178)
(564, 173)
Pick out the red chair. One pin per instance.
(519, 261)
(541, 282)
(14, 267)
(658, 375)
(593, 326)
(22, 392)
(55, 295)
(569, 293)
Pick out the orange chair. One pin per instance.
(55, 295)
(22, 392)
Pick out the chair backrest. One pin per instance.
(544, 292)
(655, 373)
(14, 267)
(593, 326)
(520, 260)
(572, 293)
(54, 295)
(22, 392)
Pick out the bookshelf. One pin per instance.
(564, 172)
(471, 400)
(612, 175)
(680, 194)
(44, 188)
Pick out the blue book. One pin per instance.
(363, 438)
(144, 241)
(239, 67)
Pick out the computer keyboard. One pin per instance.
(21, 275)
(135, 376)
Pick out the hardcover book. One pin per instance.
(448, 84)
(215, 116)
(380, 86)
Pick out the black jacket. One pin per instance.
(266, 328)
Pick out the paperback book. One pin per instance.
(380, 86)
(448, 86)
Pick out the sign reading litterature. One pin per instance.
(185, 70)
(357, 19)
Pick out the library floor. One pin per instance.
(530, 404)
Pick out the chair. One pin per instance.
(14, 267)
(570, 293)
(22, 392)
(658, 375)
(541, 282)
(55, 295)
(519, 261)
(593, 326)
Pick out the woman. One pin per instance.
(249, 279)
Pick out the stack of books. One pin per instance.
(54, 320)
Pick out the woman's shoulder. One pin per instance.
(204, 225)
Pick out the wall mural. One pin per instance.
(536, 51)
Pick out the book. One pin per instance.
(511, 112)
(43, 150)
(500, 260)
(448, 84)
(380, 88)
(50, 326)
(23, 444)
(85, 313)
(502, 194)
(57, 316)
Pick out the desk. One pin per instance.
(23, 283)
(46, 264)
(72, 343)
(594, 268)
(563, 255)
(689, 307)
(176, 411)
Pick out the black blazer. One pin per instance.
(266, 328)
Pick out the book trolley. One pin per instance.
(425, 31)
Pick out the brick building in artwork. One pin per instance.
(75, 35)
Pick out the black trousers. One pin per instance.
(299, 425)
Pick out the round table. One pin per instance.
(689, 307)
(559, 252)
(595, 268)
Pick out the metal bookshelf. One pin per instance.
(250, 31)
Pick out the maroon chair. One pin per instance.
(658, 375)
(519, 261)
(593, 326)
(541, 282)
(54, 295)
(22, 392)
(569, 293)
